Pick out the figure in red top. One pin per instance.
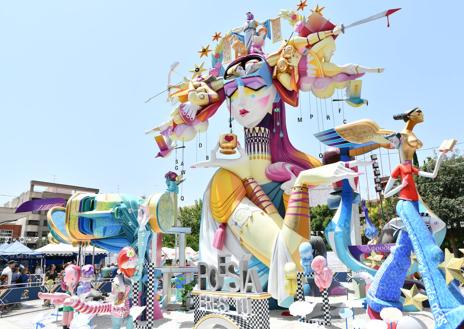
(405, 171)
(445, 301)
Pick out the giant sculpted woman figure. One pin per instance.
(259, 202)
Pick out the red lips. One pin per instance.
(243, 112)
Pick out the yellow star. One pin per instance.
(413, 297)
(375, 259)
(318, 9)
(204, 51)
(302, 5)
(452, 267)
(217, 36)
(413, 260)
(197, 70)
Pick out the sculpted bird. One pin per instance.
(353, 94)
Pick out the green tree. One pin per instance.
(381, 216)
(321, 215)
(188, 216)
(445, 196)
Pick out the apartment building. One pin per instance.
(33, 226)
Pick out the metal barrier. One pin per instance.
(22, 292)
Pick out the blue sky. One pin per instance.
(74, 76)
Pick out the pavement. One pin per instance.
(29, 313)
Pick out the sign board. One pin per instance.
(231, 292)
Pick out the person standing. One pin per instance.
(51, 274)
(23, 277)
(38, 270)
(8, 271)
(16, 274)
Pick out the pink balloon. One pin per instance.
(322, 274)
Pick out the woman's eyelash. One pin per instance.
(259, 87)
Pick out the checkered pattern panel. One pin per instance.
(197, 314)
(135, 299)
(326, 321)
(142, 325)
(300, 280)
(260, 318)
(150, 294)
(326, 307)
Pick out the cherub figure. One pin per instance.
(322, 274)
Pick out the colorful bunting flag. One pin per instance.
(276, 30)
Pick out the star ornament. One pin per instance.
(217, 36)
(197, 70)
(414, 297)
(318, 9)
(302, 5)
(204, 52)
(451, 266)
(375, 259)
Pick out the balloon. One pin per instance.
(322, 274)
(200, 126)
(306, 254)
(72, 274)
(127, 261)
(301, 308)
(391, 314)
(290, 278)
(409, 322)
(376, 324)
(184, 132)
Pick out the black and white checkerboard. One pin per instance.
(326, 321)
(150, 294)
(259, 318)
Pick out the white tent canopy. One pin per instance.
(62, 249)
(170, 253)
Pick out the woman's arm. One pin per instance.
(359, 163)
(433, 174)
(300, 43)
(390, 191)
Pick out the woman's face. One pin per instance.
(250, 92)
(250, 100)
(417, 116)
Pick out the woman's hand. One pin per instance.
(239, 166)
(327, 174)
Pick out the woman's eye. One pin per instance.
(229, 90)
(255, 85)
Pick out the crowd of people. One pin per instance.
(19, 275)
(14, 273)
